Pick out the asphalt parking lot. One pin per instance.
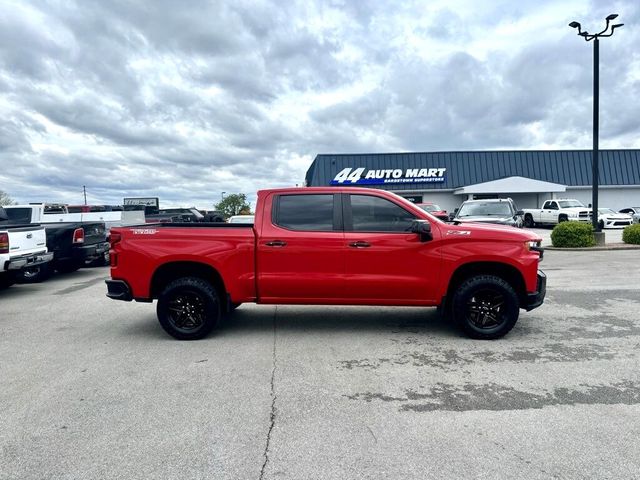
(93, 388)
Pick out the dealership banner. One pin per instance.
(364, 176)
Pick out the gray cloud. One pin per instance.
(185, 100)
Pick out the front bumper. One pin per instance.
(26, 261)
(534, 300)
(118, 290)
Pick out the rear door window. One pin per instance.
(306, 212)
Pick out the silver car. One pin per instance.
(634, 212)
(501, 211)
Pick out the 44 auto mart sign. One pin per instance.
(364, 176)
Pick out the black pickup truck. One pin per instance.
(73, 244)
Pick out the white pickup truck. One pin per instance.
(21, 247)
(556, 211)
(47, 213)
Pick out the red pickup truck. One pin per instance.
(329, 246)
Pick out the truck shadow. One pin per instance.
(309, 319)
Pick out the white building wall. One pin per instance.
(616, 198)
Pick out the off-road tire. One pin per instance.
(189, 308)
(475, 301)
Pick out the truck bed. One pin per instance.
(227, 248)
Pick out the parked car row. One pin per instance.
(34, 244)
(503, 211)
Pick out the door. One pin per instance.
(301, 249)
(550, 212)
(385, 262)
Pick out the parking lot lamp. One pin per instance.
(607, 32)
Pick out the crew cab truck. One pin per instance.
(329, 246)
(21, 247)
(73, 243)
(557, 211)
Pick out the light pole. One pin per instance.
(222, 196)
(607, 32)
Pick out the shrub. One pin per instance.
(631, 234)
(573, 235)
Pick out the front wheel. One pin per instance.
(188, 308)
(528, 221)
(485, 307)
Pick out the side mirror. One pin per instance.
(423, 229)
(519, 213)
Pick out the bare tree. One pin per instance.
(5, 199)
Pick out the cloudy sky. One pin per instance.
(186, 99)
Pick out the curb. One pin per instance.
(613, 246)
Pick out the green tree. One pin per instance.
(233, 204)
(5, 199)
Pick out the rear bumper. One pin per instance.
(90, 252)
(118, 290)
(26, 261)
(534, 300)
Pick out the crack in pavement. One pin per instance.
(272, 419)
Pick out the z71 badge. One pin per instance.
(144, 231)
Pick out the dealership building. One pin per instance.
(448, 178)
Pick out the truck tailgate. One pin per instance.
(26, 240)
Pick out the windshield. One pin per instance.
(570, 203)
(606, 210)
(430, 207)
(498, 209)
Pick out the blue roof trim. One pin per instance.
(566, 167)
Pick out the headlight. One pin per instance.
(531, 244)
(572, 214)
(536, 246)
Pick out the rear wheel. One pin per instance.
(188, 308)
(6, 280)
(485, 307)
(67, 266)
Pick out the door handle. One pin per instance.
(360, 244)
(276, 243)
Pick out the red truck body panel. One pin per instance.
(322, 267)
(142, 250)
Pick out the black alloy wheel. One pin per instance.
(188, 308)
(485, 307)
